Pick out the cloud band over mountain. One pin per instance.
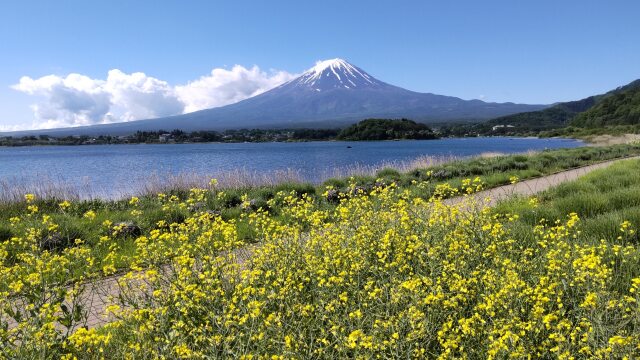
(76, 100)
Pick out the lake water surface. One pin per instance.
(111, 170)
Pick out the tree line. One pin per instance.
(369, 129)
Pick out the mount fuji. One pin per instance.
(331, 93)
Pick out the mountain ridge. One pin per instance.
(621, 107)
(560, 114)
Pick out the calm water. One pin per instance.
(110, 170)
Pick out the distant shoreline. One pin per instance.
(368, 129)
(281, 142)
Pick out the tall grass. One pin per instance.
(602, 199)
(234, 179)
(402, 166)
(13, 189)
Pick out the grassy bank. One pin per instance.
(602, 199)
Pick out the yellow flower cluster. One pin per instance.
(383, 274)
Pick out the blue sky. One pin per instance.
(533, 52)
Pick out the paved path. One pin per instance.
(97, 294)
(534, 186)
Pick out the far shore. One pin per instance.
(602, 140)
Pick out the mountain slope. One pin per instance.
(621, 108)
(336, 92)
(561, 114)
(332, 93)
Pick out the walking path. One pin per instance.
(537, 185)
(97, 295)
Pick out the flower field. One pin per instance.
(372, 273)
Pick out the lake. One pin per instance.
(117, 170)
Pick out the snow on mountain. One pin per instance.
(335, 73)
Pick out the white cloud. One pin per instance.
(73, 100)
(7, 128)
(138, 96)
(77, 100)
(223, 87)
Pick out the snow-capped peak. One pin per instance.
(335, 73)
(333, 64)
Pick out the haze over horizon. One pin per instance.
(86, 63)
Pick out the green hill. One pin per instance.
(619, 108)
(386, 129)
(569, 113)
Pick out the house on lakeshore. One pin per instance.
(501, 127)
